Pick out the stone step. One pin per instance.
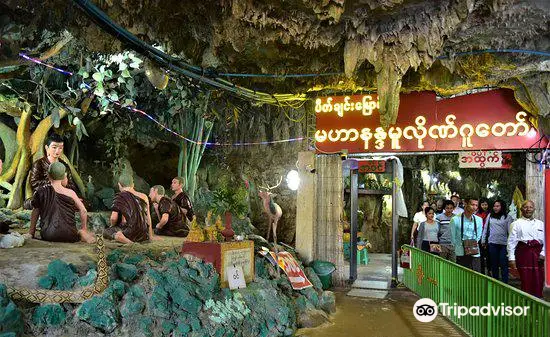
(372, 284)
(368, 293)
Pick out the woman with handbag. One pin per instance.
(427, 233)
(495, 237)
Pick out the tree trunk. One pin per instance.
(9, 140)
(23, 136)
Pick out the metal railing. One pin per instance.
(443, 281)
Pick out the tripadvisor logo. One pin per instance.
(426, 310)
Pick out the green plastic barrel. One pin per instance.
(324, 270)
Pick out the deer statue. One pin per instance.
(273, 211)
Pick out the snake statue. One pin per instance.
(68, 296)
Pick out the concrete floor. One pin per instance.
(389, 317)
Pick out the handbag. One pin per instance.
(435, 248)
(471, 246)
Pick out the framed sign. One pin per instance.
(491, 120)
(237, 254)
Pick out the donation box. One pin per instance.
(223, 255)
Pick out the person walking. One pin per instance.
(446, 233)
(526, 249)
(418, 218)
(427, 233)
(485, 259)
(495, 238)
(468, 229)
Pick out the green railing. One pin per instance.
(443, 281)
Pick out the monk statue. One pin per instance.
(181, 198)
(130, 217)
(171, 222)
(54, 152)
(56, 205)
(39, 171)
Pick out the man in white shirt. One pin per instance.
(526, 250)
(456, 200)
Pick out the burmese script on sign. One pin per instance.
(238, 257)
(480, 159)
(366, 104)
(392, 138)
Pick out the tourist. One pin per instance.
(440, 208)
(130, 217)
(456, 200)
(418, 218)
(468, 229)
(55, 205)
(427, 233)
(526, 249)
(181, 198)
(446, 232)
(495, 237)
(482, 212)
(171, 221)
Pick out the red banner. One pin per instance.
(490, 120)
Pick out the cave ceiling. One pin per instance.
(391, 46)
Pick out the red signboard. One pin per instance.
(547, 224)
(372, 166)
(490, 120)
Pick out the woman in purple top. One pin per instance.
(495, 236)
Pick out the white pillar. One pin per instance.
(306, 206)
(534, 183)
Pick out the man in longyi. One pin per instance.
(526, 249)
(181, 198)
(55, 205)
(130, 217)
(171, 222)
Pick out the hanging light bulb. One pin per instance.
(293, 180)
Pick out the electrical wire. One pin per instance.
(494, 51)
(177, 65)
(166, 128)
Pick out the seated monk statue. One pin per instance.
(171, 221)
(181, 198)
(39, 171)
(130, 217)
(56, 206)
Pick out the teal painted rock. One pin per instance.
(114, 256)
(131, 305)
(49, 315)
(135, 259)
(100, 312)
(88, 279)
(115, 290)
(11, 319)
(313, 278)
(61, 276)
(126, 272)
(146, 326)
(312, 295)
(328, 302)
